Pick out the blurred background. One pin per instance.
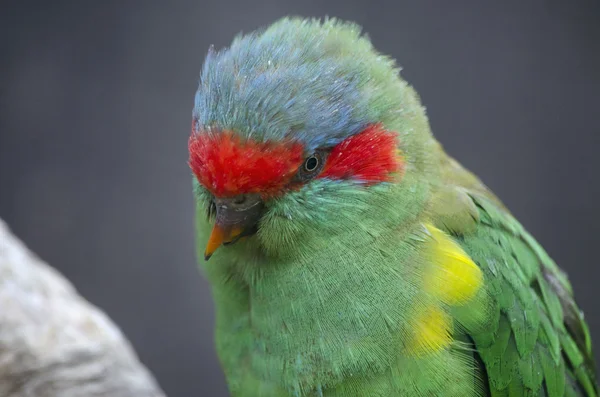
(95, 111)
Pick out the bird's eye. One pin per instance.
(311, 167)
(311, 163)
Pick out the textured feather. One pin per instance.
(531, 311)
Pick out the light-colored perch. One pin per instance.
(53, 343)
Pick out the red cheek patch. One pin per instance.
(370, 156)
(227, 165)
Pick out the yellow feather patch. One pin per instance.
(453, 277)
(432, 331)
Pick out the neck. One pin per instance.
(315, 303)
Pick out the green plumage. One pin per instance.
(532, 351)
(322, 300)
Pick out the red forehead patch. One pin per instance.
(227, 165)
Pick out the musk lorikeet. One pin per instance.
(356, 257)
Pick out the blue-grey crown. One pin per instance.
(286, 83)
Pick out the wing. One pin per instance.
(536, 342)
(541, 344)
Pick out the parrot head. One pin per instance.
(301, 132)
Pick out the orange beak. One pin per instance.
(236, 217)
(220, 236)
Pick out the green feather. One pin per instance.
(531, 373)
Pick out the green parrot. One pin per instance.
(347, 253)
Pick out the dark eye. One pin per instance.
(311, 163)
(311, 167)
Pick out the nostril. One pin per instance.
(241, 199)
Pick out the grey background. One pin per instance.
(95, 110)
